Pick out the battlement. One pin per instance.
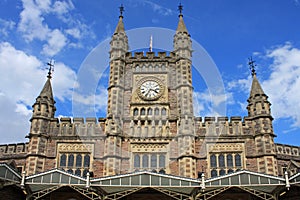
(150, 55)
(220, 119)
(77, 126)
(287, 150)
(13, 148)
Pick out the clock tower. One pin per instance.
(149, 122)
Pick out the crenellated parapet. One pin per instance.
(13, 149)
(287, 151)
(68, 127)
(146, 56)
(222, 126)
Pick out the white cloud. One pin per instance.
(56, 42)
(6, 26)
(33, 25)
(283, 84)
(21, 80)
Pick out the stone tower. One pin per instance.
(43, 114)
(186, 137)
(259, 112)
(115, 109)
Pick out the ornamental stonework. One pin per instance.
(226, 147)
(75, 147)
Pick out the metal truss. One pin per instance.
(87, 193)
(122, 194)
(175, 195)
(42, 193)
(262, 195)
(211, 194)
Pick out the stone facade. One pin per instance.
(150, 125)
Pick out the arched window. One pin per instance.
(162, 161)
(70, 171)
(163, 111)
(78, 160)
(213, 173)
(84, 173)
(143, 111)
(162, 171)
(86, 161)
(71, 160)
(149, 111)
(229, 160)
(238, 161)
(137, 161)
(154, 161)
(213, 161)
(145, 163)
(78, 172)
(221, 161)
(135, 112)
(222, 172)
(63, 160)
(156, 111)
(137, 68)
(230, 171)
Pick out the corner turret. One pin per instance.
(43, 114)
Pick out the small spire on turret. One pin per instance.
(51, 68)
(252, 66)
(121, 10)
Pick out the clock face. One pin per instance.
(150, 90)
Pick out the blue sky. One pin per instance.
(34, 31)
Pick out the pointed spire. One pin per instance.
(256, 88)
(181, 26)
(120, 27)
(47, 89)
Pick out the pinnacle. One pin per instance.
(120, 27)
(181, 26)
(256, 88)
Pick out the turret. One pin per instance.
(186, 141)
(258, 104)
(182, 43)
(259, 112)
(43, 114)
(115, 110)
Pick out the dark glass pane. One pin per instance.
(162, 171)
(222, 172)
(63, 160)
(135, 112)
(238, 161)
(78, 172)
(150, 111)
(162, 161)
(221, 161)
(163, 111)
(145, 161)
(154, 161)
(85, 171)
(71, 160)
(229, 160)
(137, 161)
(86, 161)
(156, 111)
(230, 171)
(78, 160)
(214, 173)
(213, 161)
(143, 111)
(70, 171)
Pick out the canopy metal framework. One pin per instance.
(39, 185)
